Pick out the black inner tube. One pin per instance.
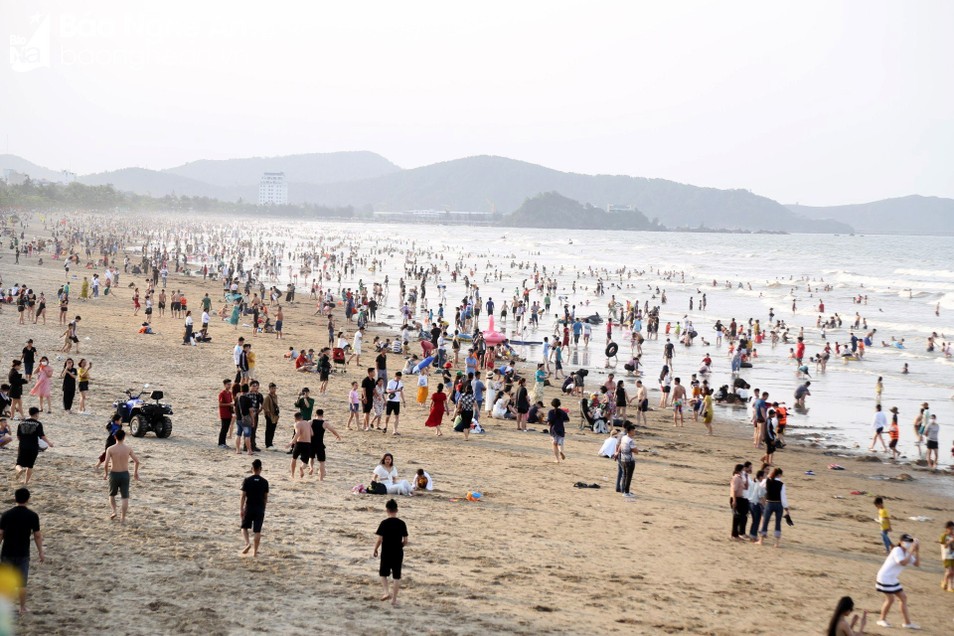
(611, 349)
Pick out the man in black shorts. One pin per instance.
(392, 537)
(252, 507)
(29, 433)
(318, 428)
(395, 398)
(16, 526)
(367, 397)
(301, 445)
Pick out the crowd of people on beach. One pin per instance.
(446, 360)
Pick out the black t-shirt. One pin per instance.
(381, 361)
(523, 398)
(255, 489)
(393, 531)
(257, 400)
(18, 524)
(556, 418)
(317, 433)
(16, 382)
(29, 355)
(29, 433)
(534, 415)
(367, 385)
(245, 405)
(669, 349)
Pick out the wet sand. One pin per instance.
(535, 556)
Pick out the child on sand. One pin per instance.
(885, 520)
(947, 556)
(354, 405)
(392, 538)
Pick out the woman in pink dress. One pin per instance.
(41, 388)
(438, 407)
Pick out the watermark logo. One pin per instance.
(31, 51)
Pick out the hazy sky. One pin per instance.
(820, 102)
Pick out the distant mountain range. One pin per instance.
(905, 215)
(368, 181)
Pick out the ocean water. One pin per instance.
(905, 278)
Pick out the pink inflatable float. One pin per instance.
(491, 336)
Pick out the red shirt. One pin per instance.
(225, 404)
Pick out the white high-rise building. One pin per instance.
(272, 189)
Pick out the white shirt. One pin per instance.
(357, 341)
(430, 484)
(397, 389)
(880, 421)
(500, 408)
(608, 447)
(892, 568)
(384, 476)
(756, 492)
(237, 354)
(626, 446)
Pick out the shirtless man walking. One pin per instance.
(642, 402)
(117, 457)
(301, 445)
(678, 400)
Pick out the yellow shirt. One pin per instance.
(884, 518)
(947, 554)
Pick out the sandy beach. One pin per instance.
(535, 555)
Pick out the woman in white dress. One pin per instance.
(493, 388)
(385, 473)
